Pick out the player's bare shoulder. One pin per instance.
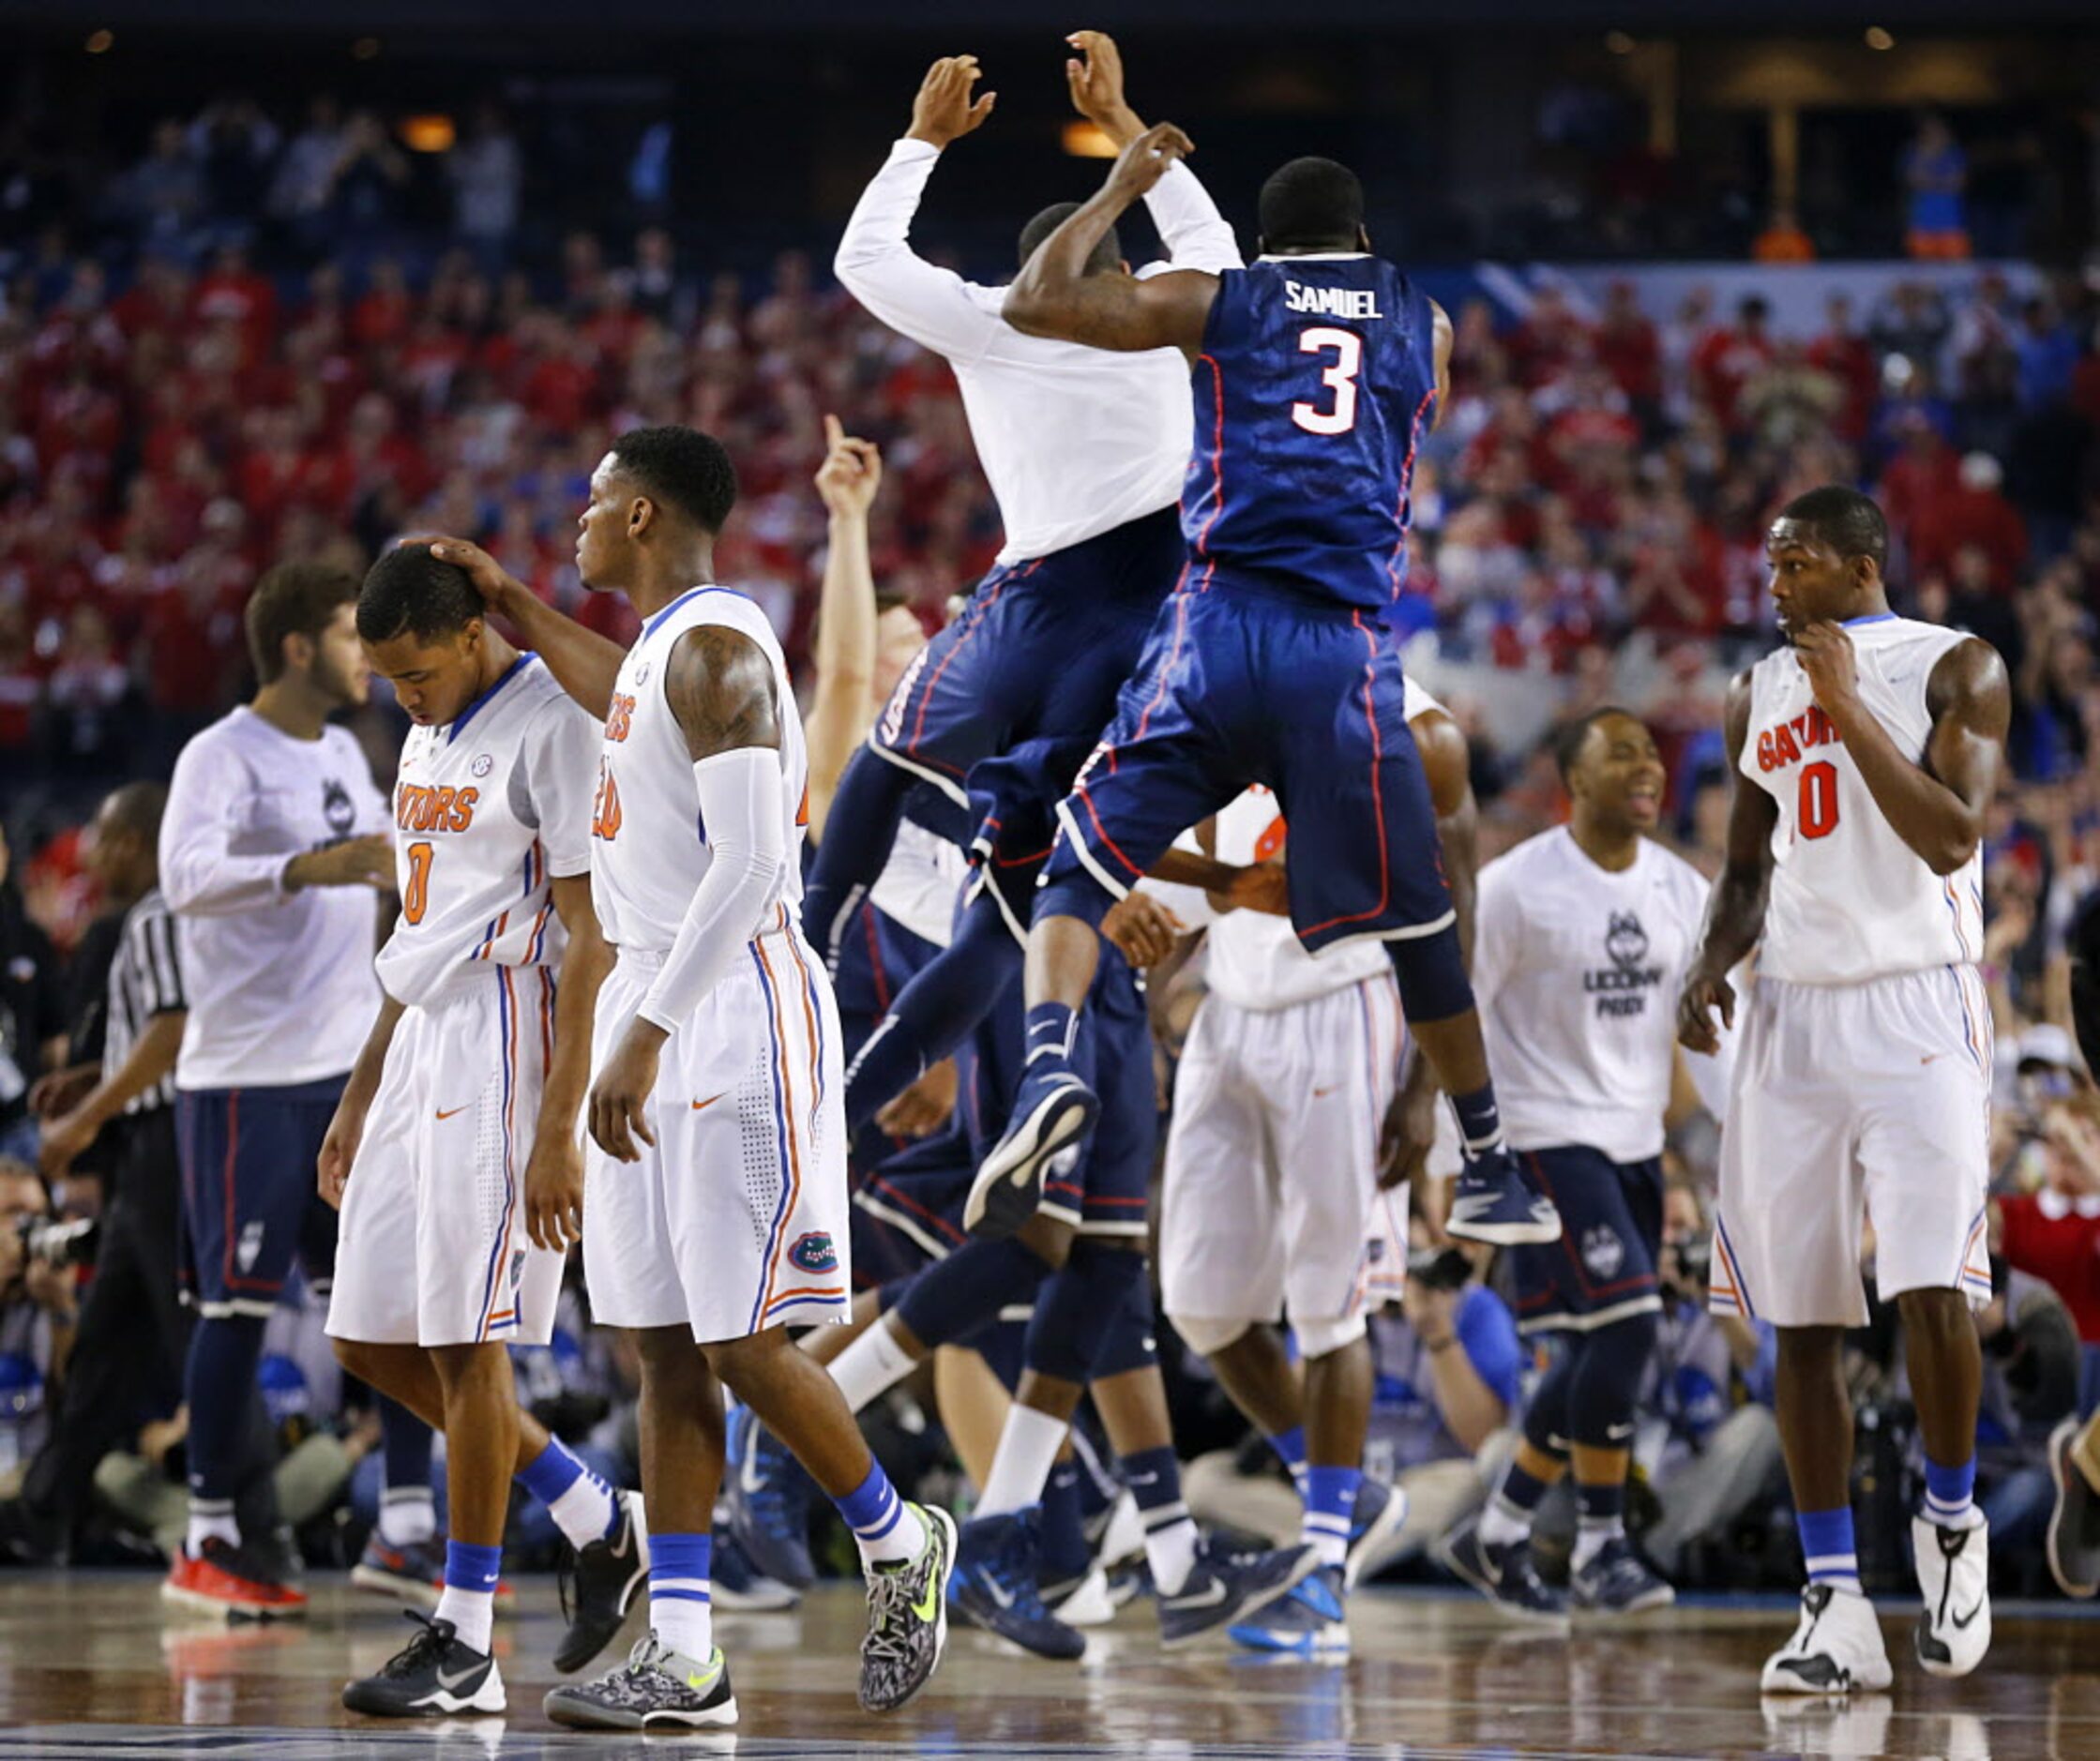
(1970, 682)
(719, 685)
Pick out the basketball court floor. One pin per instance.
(89, 1668)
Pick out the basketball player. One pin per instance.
(454, 1153)
(1584, 937)
(1869, 748)
(715, 1193)
(1085, 456)
(1321, 365)
(272, 848)
(1272, 1180)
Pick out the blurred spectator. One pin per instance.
(32, 1018)
(2054, 1233)
(1972, 510)
(36, 1312)
(1936, 171)
(487, 173)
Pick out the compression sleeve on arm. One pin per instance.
(740, 810)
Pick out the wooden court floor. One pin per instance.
(88, 1667)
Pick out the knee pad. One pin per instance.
(1316, 1339)
(1608, 1365)
(1132, 1344)
(1079, 1309)
(954, 1298)
(1546, 1419)
(1203, 1336)
(1431, 971)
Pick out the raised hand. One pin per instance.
(1147, 160)
(944, 110)
(850, 474)
(1095, 77)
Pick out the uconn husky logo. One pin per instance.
(337, 808)
(1620, 988)
(1625, 940)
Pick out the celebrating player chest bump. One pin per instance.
(715, 1194)
(1868, 752)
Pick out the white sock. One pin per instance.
(1590, 1538)
(684, 1624)
(584, 1513)
(872, 1365)
(473, 1615)
(406, 1516)
(1021, 1468)
(211, 1519)
(1502, 1524)
(1171, 1551)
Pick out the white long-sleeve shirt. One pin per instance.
(1075, 441)
(280, 985)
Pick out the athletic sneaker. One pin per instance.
(236, 1583)
(1380, 1513)
(1224, 1588)
(767, 1492)
(414, 1575)
(1836, 1647)
(907, 1617)
(1954, 1572)
(432, 1676)
(1082, 1602)
(1307, 1621)
(1053, 1118)
(738, 1586)
(1126, 1583)
(2075, 1523)
(1493, 1202)
(656, 1689)
(1618, 1581)
(599, 1582)
(1505, 1575)
(994, 1583)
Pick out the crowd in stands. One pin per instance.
(173, 420)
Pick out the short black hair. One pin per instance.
(409, 592)
(1309, 203)
(1845, 519)
(1107, 254)
(682, 467)
(1570, 737)
(293, 600)
(136, 809)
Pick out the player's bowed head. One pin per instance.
(424, 631)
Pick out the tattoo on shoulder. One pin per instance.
(719, 685)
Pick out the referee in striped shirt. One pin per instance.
(127, 1351)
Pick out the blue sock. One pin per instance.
(1064, 1550)
(407, 1442)
(1330, 1503)
(1828, 1548)
(935, 1012)
(1480, 1120)
(580, 1500)
(471, 1569)
(887, 1531)
(1950, 1493)
(1154, 1477)
(858, 832)
(956, 1297)
(681, 1601)
(1052, 1031)
(1289, 1447)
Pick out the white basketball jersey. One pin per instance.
(1577, 969)
(919, 882)
(648, 847)
(1255, 961)
(486, 811)
(1851, 900)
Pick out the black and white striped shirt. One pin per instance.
(146, 980)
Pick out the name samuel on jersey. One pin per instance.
(1332, 302)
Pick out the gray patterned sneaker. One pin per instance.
(656, 1689)
(907, 1617)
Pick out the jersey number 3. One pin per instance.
(1341, 379)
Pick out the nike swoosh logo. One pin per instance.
(927, 1605)
(991, 1587)
(1618, 1430)
(1466, 1209)
(1932, 1057)
(452, 1683)
(701, 1106)
(453, 1114)
(1321, 1095)
(1208, 1598)
(1962, 1622)
(753, 1479)
(1144, 1480)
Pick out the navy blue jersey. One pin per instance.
(1318, 378)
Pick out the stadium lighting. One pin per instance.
(100, 42)
(432, 133)
(1087, 140)
(1878, 38)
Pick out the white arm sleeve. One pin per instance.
(747, 839)
(876, 264)
(200, 876)
(1196, 235)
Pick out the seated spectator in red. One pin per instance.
(1974, 511)
(1921, 472)
(1627, 347)
(1848, 357)
(1728, 355)
(1548, 338)
(2054, 1233)
(232, 291)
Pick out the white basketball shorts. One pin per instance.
(1855, 1104)
(738, 1219)
(432, 1249)
(1271, 1158)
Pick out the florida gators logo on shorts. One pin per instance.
(814, 1252)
